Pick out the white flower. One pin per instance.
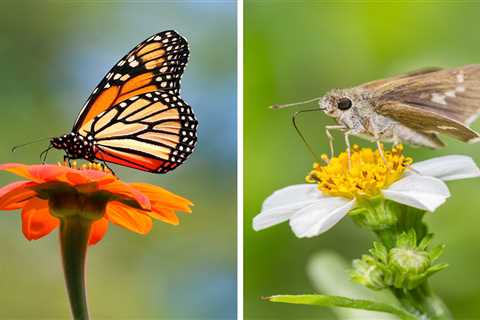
(312, 212)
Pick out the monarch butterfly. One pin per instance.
(135, 116)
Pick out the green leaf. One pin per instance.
(336, 301)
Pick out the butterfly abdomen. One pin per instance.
(75, 146)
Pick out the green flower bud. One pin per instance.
(407, 265)
(409, 260)
(368, 272)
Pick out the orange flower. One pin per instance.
(52, 193)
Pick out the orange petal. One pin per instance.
(99, 228)
(133, 219)
(16, 194)
(164, 214)
(18, 169)
(122, 189)
(163, 197)
(48, 172)
(37, 172)
(75, 176)
(37, 220)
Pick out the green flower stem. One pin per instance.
(434, 306)
(423, 303)
(74, 233)
(387, 236)
(409, 303)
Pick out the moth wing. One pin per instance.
(449, 93)
(426, 121)
(382, 83)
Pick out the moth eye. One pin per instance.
(344, 104)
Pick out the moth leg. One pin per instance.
(330, 137)
(349, 154)
(376, 135)
(380, 151)
(396, 140)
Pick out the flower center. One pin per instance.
(366, 175)
(85, 166)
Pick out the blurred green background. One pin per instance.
(53, 54)
(296, 50)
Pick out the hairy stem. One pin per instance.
(74, 233)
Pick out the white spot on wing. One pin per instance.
(450, 93)
(446, 128)
(460, 77)
(438, 98)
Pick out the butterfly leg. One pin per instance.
(330, 137)
(66, 159)
(43, 155)
(105, 165)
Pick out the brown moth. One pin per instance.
(412, 108)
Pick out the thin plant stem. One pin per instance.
(74, 233)
(435, 307)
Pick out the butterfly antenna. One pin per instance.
(294, 121)
(28, 143)
(282, 106)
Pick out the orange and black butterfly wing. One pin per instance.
(156, 64)
(154, 132)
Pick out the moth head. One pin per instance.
(336, 103)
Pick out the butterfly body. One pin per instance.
(135, 117)
(412, 108)
(75, 145)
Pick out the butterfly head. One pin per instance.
(75, 145)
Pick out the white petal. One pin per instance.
(426, 193)
(282, 204)
(320, 216)
(448, 167)
(292, 194)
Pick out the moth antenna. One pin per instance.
(282, 106)
(294, 118)
(14, 148)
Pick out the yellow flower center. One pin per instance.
(366, 175)
(85, 166)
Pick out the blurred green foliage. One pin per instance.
(53, 53)
(296, 50)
